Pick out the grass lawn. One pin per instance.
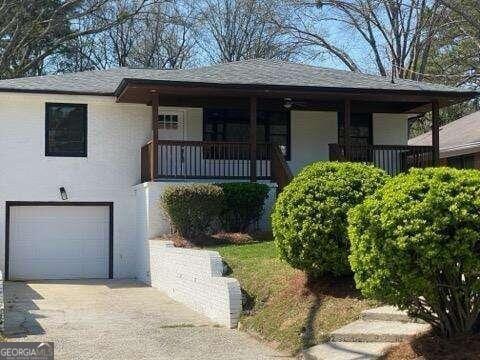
(283, 308)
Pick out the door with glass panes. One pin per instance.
(171, 127)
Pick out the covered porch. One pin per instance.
(254, 159)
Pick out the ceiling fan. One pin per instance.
(289, 103)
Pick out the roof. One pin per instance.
(461, 136)
(248, 72)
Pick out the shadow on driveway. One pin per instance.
(119, 319)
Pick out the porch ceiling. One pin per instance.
(271, 97)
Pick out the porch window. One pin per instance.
(66, 130)
(232, 125)
(461, 162)
(168, 121)
(361, 132)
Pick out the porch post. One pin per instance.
(347, 109)
(154, 152)
(435, 133)
(253, 139)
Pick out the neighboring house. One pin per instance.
(85, 156)
(459, 142)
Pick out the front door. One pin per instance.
(171, 125)
(171, 156)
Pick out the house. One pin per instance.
(85, 156)
(459, 142)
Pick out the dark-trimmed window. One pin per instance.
(233, 125)
(462, 161)
(361, 131)
(66, 130)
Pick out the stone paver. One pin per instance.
(387, 313)
(347, 351)
(368, 338)
(380, 331)
(119, 320)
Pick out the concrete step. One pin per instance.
(388, 313)
(347, 351)
(377, 331)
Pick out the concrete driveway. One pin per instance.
(119, 320)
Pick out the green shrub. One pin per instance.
(416, 244)
(192, 208)
(243, 205)
(310, 216)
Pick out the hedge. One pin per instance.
(242, 205)
(192, 208)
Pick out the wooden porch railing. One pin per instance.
(146, 164)
(280, 171)
(394, 159)
(206, 159)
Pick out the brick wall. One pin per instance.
(194, 278)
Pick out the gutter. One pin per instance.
(64, 92)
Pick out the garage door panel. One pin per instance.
(59, 242)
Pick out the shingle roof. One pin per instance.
(461, 133)
(248, 72)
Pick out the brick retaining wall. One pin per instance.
(195, 278)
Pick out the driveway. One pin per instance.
(119, 320)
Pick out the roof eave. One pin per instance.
(49, 91)
(461, 94)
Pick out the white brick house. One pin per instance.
(82, 170)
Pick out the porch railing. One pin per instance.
(394, 159)
(206, 159)
(280, 170)
(145, 163)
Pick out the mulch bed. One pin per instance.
(431, 347)
(217, 239)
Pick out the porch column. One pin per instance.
(347, 109)
(154, 153)
(253, 139)
(435, 133)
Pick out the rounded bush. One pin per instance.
(243, 205)
(416, 244)
(309, 220)
(192, 208)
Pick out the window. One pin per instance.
(166, 121)
(233, 125)
(66, 130)
(360, 129)
(461, 162)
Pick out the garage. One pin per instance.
(59, 241)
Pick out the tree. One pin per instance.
(396, 36)
(159, 36)
(32, 31)
(232, 30)
(457, 56)
(166, 38)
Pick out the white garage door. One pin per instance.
(58, 242)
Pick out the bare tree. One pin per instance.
(231, 30)
(165, 39)
(158, 36)
(397, 36)
(31, 31)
